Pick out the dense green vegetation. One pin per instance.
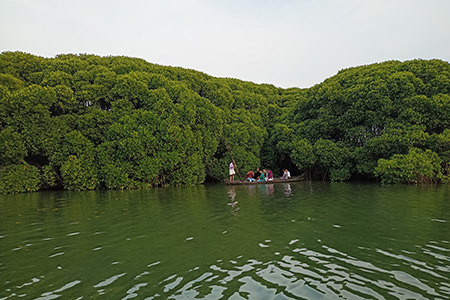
(87, 122)
(388, 120)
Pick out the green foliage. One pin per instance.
(11, 83)
(303, 154)
(19, 178)
(56, 78)
(84, 122)
(417, 166)
(129, 88)
(65, 102)
(397, 139)
(94, 125)
(332, 158)
(79, 173)
(114, 177)
(12, 149)
(441, 145)
(371, 112)
(324, 156)
(48, 177)
(21, 65)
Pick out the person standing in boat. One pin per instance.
(232, 172)
(250, 175)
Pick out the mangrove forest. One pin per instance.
(82, 122)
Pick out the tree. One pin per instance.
(81, 121)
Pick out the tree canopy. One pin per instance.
(86, 122)
(367, 121)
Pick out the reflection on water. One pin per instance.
(287, 189)
(233, 203)
(270, 189)
(231, 193)
(290, 241)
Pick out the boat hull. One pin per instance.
(275, 180)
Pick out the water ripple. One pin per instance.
(178, 248)
(109, 280)
(326, 276)
(54, 295)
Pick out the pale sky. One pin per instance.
(287, 43)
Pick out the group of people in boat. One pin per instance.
(264, 175)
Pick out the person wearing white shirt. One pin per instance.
(232, 172)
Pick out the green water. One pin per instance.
(282, 241)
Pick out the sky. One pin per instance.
(287, 43)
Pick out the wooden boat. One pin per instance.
(275, 180)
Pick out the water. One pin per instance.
(282, 241)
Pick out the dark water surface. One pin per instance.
(282, 241)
